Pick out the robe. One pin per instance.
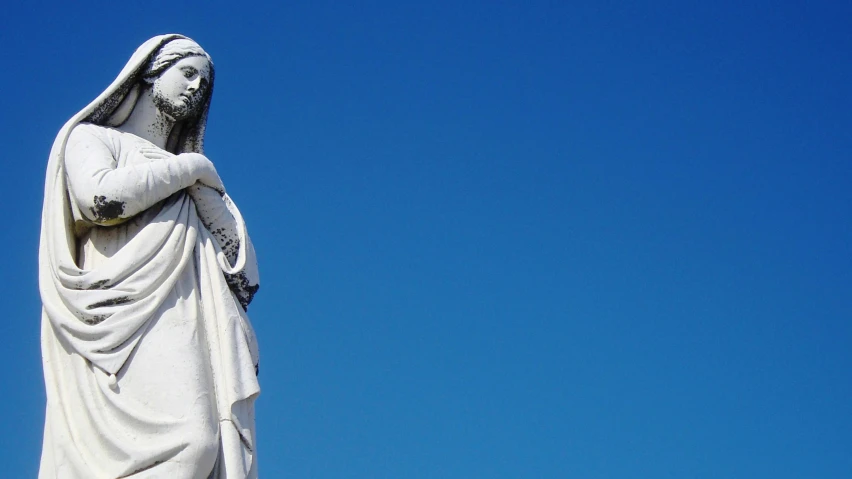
(150, 360)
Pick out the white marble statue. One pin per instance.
(145, 273)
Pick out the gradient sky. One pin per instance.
(498, 239)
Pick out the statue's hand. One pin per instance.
(153, 153)
(204, 170)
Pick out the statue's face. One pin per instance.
(180, 90)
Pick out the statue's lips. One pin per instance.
(186, 98)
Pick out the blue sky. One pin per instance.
(499, 239)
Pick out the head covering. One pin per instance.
(173, 51)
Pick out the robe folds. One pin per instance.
(149, 357)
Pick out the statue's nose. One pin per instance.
(194, 84)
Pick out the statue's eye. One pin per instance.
(189, 72)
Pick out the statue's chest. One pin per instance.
(131, 150)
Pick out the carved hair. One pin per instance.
(172, 52)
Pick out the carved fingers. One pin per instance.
(153, 153)
(206, 173)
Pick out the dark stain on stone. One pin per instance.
(104, 210)
(97, 319)
(110, 302)
(241, 287)
(98, 284)
(230, 246)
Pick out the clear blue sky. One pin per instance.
(498, 239)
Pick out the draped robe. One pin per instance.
(149, 357)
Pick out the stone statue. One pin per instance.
(145, 273)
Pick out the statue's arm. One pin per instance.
(217, 218)
(106, 194)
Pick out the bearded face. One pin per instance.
(180, 90)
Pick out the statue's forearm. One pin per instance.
(124, 192)
(107, 194)
(217, 219)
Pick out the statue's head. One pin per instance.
(180, 76)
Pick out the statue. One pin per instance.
(145, 274)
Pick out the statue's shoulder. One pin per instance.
(84, 133)
(90, 129)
